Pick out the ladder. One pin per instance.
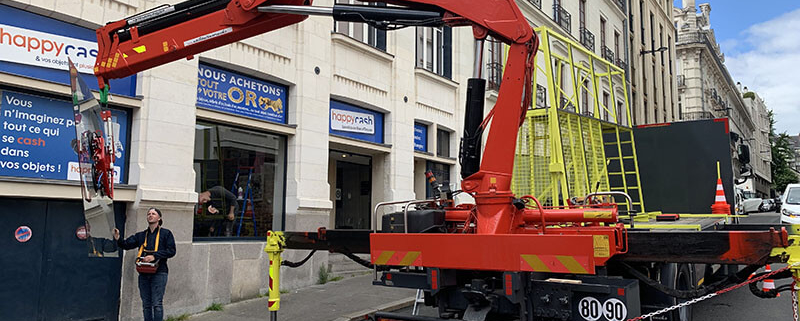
(245, 199)
(623, 166)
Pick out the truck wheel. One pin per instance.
(678, 276)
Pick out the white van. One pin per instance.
(790, 209)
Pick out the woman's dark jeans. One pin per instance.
(151, 288)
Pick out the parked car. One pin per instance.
(767, 205)
(746, 202)
(790, 209)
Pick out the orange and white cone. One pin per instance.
(720, 205)
(769, 284)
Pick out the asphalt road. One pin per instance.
(737, 305)
(740, 304)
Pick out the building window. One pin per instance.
(652, 33)
(434, 50)
(602, 32)
(442, 143)
(362, 31)
(621, 114)
(442, 174)
(630, 15)
(242, 167)
(606, 106)
(585, 98)
(582, 14)
(641, 20)
(661, 41)
(669, 52)
(616, 45)
(495, 65)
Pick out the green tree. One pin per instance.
(782, 154)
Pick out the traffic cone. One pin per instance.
(769, 284)
(720, 205)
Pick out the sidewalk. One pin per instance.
(343, 300)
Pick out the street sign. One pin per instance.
(23, 234)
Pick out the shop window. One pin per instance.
(362, 31)
(434, 50)
(442, 143)
(243, 167)
(420, 137)
(442, 174)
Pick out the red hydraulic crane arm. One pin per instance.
(171, 32)
(168, 33)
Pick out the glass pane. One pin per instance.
(358, 31)
(439, 52)
(420, 47)
(98, 207)
(240, 179)
(343, 27)
(443, 143)
(428, 49)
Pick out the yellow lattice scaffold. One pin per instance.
(577, 137)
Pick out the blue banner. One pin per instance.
(355, 122)
(37, 138)
(37, 46)
(237, 94)
(420, 137)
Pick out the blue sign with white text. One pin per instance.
(237, 94)
(38, 47)
(355, 122)
(420, 137)
(37, 138)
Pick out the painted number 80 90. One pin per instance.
(591, 309)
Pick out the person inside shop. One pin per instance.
(156, 245)
(222, 201)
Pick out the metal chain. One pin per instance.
(711, 295)
(794, 299)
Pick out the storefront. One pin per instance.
(357, 150)
(235, 155)
(43, 227)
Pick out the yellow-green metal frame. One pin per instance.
(574, 152)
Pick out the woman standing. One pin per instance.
(156, 245)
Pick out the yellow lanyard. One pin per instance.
(158, 236)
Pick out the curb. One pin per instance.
(391, 306)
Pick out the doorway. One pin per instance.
(353, 190)
(51, 276)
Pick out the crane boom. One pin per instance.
(171, 32)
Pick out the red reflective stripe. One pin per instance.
(509, 290)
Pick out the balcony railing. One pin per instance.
(621, 63)
(587, 39)
(541, 96)
(495, 75)
(562, 17)
(681, 81)
(536, 3)
(608, 54)
(566, 104)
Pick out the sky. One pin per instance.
(761, 44)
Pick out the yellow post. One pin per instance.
(718, 176)
(274, 248)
